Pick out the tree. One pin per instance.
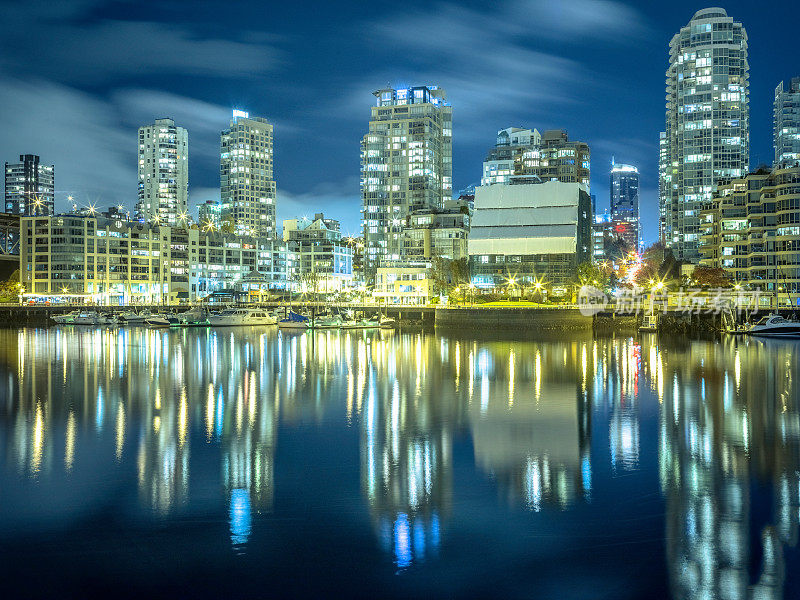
(710, 277)
(9, 289)
(227, 225)
(591, 274)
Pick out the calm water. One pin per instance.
(250, 463)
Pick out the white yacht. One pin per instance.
(775, 325)
(157, 321)
(87, 317)
(241, 316)
(66, 318)
(133, 318)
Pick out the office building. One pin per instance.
(787, 124)
(707, 121)
(751, 229)
(163, 173)
(527, 233)
(29, 187)
(246, 176)
(624, 194)
(525, 156)
(406, 165)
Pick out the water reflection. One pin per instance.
(730, 424)
(552, 426)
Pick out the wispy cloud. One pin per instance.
(339, 200)
(504, 61)
(77, 132)
(68, 45)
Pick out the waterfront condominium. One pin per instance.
(524, 156)
(624, 194)
(406, 165)
(30, 187)
(787, 124)
(245, 169)
(751, 228)
(707, 121)
(163, 173)
(664, 184)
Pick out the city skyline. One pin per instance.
(261, 72)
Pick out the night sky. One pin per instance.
(78, 78)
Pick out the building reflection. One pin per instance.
(530, 418)
(729, 420)
(157, 400)
(407, 422)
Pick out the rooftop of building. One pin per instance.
(421, 94)
(713, 12)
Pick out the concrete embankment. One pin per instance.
(505, 318)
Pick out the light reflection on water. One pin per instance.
(554, 426)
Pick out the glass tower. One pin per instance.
(624, 194)
(406, 165)
(707, 121)
(247, 185)
(30, 187)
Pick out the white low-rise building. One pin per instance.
(529, 232)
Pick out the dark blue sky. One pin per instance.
(77, 78)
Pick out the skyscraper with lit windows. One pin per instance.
(29, 187)
(406, 165)
(787, 124)
(624, 194)
(246, 181)
(163, 173)
(707, 121)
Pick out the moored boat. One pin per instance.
(66, 318)
(361, 324)
(241, 316)
(157, 321)
(86, 317)
(388, 323)
(775, 325)
(649, 323)
(294, 320)
(133, 318)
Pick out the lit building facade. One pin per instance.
(209, 215)
(525, 156)
(9, 234)
(406, 165)
(624, 194)
(163, 171)
(528, 233)
(247, 185)
(787, 124)
(664, 184)
(317, 254)
(707, 121)
(113, 261)
(752, 230)
(429, 234)
(404, 284)
(505, 160)
(29, 187)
